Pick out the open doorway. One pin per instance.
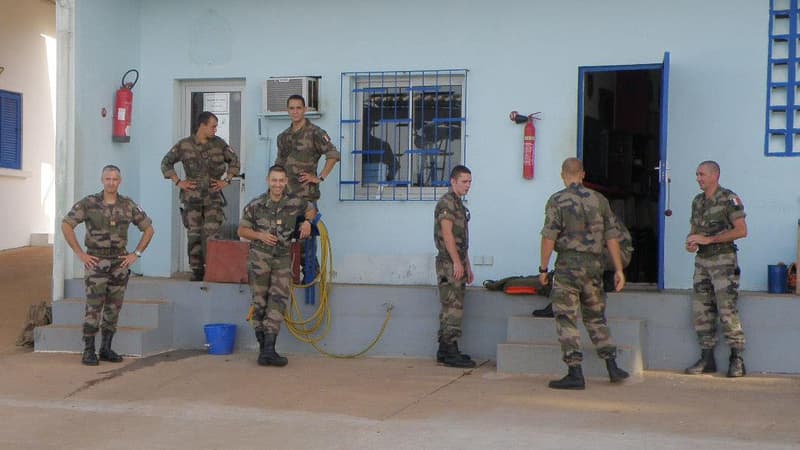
(621, 118)
(224, 98)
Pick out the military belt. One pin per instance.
(710, 250)
(276, 250)
(106, 252)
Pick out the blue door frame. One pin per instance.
(663, 168)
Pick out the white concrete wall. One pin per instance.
(27, 199)
(521, 54)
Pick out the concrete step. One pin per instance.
(629, 332)
(137, 313)
(544, 358)
(132, 341)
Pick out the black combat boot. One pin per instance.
(573, 380)
(736, 367)
(198, 274)
(106, 354)
(262, 357)
(706, 363)
(547, 311)
(268, 356)
(441, 352)
(615, 374)
(452, 358)
(89, 357)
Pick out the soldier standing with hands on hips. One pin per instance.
(718, 219)
(107, 216)
(210, 163)
(300, 148)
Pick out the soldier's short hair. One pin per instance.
(112, 168)
(203, 119)
(711, 164)
(276, 168)
(296, 97)
(572, 166)
(458, 170)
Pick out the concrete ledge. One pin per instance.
(669, 341)
(132, 341)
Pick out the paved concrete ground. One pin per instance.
(192, 400)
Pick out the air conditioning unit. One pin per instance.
(278, 89)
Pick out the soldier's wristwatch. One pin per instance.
(137, 253)
(542, 270)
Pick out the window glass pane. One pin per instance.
(778, 96)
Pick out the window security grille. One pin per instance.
(401, 133)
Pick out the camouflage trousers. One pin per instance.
(105, 289)
(202, 222)
(578, 282)
(716, 294)
(270, 278)
(451, 297)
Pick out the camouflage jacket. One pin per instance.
(715, 215)
(107, 225)
(299, 151)
(452, 208)
(579, 219)
(278, 218)
(202, 163)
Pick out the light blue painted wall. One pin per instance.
(521, 55)
(106, 46)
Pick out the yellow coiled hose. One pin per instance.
(315, 328)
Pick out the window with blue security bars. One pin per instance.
(401, 133)
(783, 81)
(10, 130)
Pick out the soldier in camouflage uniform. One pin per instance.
(578, 224)
(210, 163)
(269, 222)
(107, 216)
(453, 269)
(718, 219)
(299, 149)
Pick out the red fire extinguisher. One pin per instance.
(529, 142)
(123, 109)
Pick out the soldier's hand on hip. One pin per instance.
(307, 178)
(129, 259)
(218, 185)
(88, 260)
(187, 185)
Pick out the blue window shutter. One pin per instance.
(10, 130)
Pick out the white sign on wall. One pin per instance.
(219, 104)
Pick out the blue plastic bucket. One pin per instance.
(220, 338)
(776, 279)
